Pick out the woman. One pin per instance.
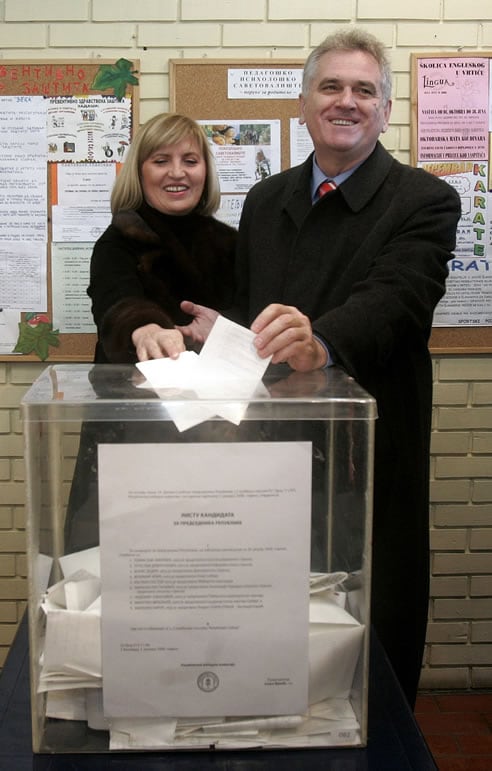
(162, 246)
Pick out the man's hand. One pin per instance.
(154, 342)
(285, 333)
(203, 321)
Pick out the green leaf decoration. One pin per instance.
(37, 339)
(116, 76)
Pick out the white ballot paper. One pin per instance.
(227, 368)
(205, 553)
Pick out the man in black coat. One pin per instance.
(352, 278)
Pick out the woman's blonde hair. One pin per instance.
(163, 129)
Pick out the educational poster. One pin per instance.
(454, 143)
(245, 151)
(89, 128)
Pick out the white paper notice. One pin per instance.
(271, 83)
(230, 209)
(205, 576)
(72, 224)
(23, 276)
(9, 330)
(70, 264)
(85, 184)
(23, 189)
(83, 191)
(301, 143)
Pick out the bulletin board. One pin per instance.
(199, 87)
(94, 87)
(451, 124)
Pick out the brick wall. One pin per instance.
(459, 650)
(15, 379)
(459, 638)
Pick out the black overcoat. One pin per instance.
(367, 263)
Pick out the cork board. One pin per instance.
(198, 88)
(441, 71)
(67, 78)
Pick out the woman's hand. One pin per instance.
(154, 342)
(203, 321)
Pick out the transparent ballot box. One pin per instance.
(199, 565)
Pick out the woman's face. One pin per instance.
(173, 177)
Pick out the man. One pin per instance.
(352, 278)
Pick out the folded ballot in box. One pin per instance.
(71, 678)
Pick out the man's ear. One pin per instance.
(387, 113)
(302, 119)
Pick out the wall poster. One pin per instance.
(451, 133)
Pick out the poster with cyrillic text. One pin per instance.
(245, 152)
(23, 193)
(205, 552)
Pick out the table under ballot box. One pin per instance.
(199, 562)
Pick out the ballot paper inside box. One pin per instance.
(247, 535)
(71, 674)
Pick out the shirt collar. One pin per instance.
(319, 176)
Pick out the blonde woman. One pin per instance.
(163, 244)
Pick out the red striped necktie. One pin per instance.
(326, 187)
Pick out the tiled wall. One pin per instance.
(14, 382)
(459, 651)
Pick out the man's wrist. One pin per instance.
(325, 357)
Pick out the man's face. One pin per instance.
(344, 109)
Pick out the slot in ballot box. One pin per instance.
(199, 564)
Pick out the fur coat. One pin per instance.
(145, 264)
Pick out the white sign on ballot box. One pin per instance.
(205, 551)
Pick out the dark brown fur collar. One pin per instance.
(132, 225)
